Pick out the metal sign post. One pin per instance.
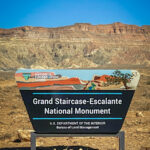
(120, 135)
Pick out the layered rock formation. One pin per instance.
(80, 45)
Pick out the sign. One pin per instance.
(77, 101)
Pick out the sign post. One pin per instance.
(77, 101)
(120, 135)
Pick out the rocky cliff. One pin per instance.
(81, 45)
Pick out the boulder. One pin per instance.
(139, 114)
(24, 135)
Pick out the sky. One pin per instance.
(55, 13)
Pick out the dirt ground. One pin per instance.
(13, 117)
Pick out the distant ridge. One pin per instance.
(81, 45)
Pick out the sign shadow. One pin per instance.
(52, 148)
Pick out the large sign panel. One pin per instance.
(77, 101)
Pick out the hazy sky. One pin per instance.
(54, 13)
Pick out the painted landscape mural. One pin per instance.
(29, 79)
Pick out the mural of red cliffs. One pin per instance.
(102, 78)
(48, 83)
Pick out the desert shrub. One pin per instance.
(11, 113)
(6, 75)
(5, 136)
(99, 58)
(59, 58)
(148, 82)
(147, 107)
(28, 60)
(14, 107)
(4, 50)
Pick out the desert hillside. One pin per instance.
(109, 46)
(80, 45)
